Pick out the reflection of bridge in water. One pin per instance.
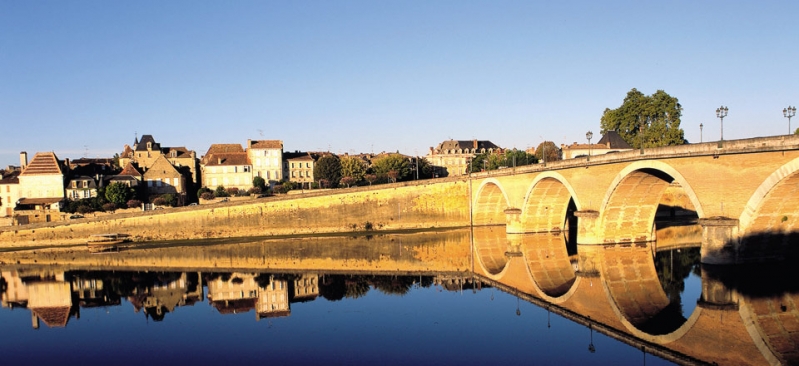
(614, 289)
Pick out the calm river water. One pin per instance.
(469, 297)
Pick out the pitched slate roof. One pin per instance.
(265, 144)
(466, 144)
(180, 151)
(10, 178)
(225, 152)
(614, 140)
(142, 145)
(43, 163)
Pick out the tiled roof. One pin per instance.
(275, 314)
(239, 158)
(224, 148)
(161, 168)
(53, 316)
(265, 144)
(39, 201)
(43, 163)
(615, 140)
(130, 170)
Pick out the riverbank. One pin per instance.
(402, 206)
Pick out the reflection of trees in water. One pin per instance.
(673, 267)
(337, 287)
(3, 285)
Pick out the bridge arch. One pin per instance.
(636, 296)
(490, 246)
(778, 190)
(629, 206)
(489, 204)
(546, 203)
(550, 266)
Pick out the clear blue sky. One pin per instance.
(360, 76)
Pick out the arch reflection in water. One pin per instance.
(631, 293)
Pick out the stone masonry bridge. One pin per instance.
(744, 194)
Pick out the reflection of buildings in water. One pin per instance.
(163, 293)
(92, 292)
(457, 282)
(46, 294)
(306, 288)
(242, 292)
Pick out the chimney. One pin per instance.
(23, 160)
(219, 161)
(475, 143)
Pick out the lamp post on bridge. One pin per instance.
(721, 112)
(700, 132)
(589, 135)
(788, 113)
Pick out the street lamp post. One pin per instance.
(700, 132)
(589, 135)
(788, 113)
(721, 112)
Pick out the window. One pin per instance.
(158, 183)
(292, 165)
(246, 168)
(149, 182)
(87, 194)
(176, 182)
(307, 165)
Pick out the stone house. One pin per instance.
(226, 165)
(163, 178)
(41, 189)
(298, 168)
(146, 151)
(452, 157)
(9, 193)
(266, 157)
(81, 187)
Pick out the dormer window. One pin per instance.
(149, 145)
(174, 154)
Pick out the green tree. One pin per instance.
(518, 158)
(221, 192)
(353, 167)
(396, 162)
(259, 182)
(547, 151)
(649, 120)
(425, 168)
(328, 168)
(796, 132)
(118, 193)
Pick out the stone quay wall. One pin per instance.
(401, 206)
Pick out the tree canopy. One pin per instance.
(328, 168)
(652, 120)
(392, 162)
(353, 167)
(118, 193)
(551, 150)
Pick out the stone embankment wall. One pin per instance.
(404, 206)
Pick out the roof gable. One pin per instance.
(161, 168)
(614, 141)
(145, 139)
(43, 163)
(219, 159)
(130, 170)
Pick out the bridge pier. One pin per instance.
(588, 227)
(715, 293)
(720, 240)
(513, 221)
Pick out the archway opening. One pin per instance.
(489, 207)
(547, 206)
(550, 262)
(643, 201)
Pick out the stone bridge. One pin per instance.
(744, 194)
